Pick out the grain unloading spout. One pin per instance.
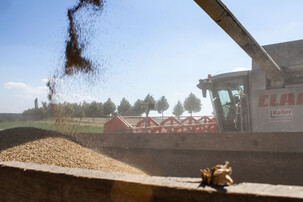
(228, 22)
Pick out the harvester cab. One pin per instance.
(269, 98)
(229, 94)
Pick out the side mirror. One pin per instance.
(204, 85)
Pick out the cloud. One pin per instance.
(52, 80)
(25, 91)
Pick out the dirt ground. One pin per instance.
(46, 147)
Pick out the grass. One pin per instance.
(48, 125)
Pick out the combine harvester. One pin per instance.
(267, 99)
(259, 116)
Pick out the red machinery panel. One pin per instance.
(189, 124)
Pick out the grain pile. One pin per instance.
(33, 145)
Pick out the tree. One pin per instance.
(94, 109)
(2, 119)
(124, 109)
(109, 107)
(85, 109)
(100, 109)
(178, 109)
(44, 105)
(149, 99)
(49, 112)
(68, 110)
(162, 105)
(36, 103)
(33, 114)
(77, 110)
(137, 109)
(192, 104)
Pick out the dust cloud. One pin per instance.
(75, 62)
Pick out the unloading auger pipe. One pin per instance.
(229, 23)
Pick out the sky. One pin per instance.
(160, 47)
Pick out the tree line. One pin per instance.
(94, 109)
(10, 117)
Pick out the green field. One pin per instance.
(49, 125)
